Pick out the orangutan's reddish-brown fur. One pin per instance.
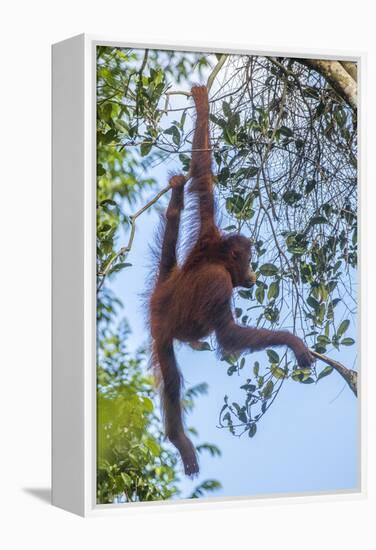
(193, 300)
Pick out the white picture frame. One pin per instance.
(73, 283)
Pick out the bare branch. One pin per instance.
(209, 84)
(124, 250)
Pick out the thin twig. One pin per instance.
(155, 144)
(178, 92)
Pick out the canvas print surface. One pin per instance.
(226, 275)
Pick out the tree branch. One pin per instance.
(337, 76)
(349, 375)
(351, 68)
(178, 92)
(124, 250)
(215, 71)
(209, 84)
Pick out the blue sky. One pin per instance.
(307, 441)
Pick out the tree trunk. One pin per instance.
(340, 75)
(351, 68)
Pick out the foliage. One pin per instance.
(287, 172)
(130, 85)
(285, 155)
(133, 461)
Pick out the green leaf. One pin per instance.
(182, 119)
(278, 372)
(325, 372)
(200, 346)
(252, 429)
(268, 389)
(153, 447)
(242, 416)
(343, 327)
(273, 291)
(291, 197)
(248, 387)
(299, 375)
(260, 294)
(212, 449)
(340, 116)
(106, 111)
(109, 136)
(148, 404)
(286, 131)
(185, 160)
(122, 126)
(104, 228)
(108, 201)
(273, 356)
(100, 170)
(256, 368)
(145, 148)
(251, 171)
(126, 479)
(320, 348)
(317, 220)
(311, 91)
(308, 380)
(119, 267)
(174, 131)
(226, 109)
(323, 340)
(219, 121)
(229, 137)
(320, 109)
(106, 246)
(225, 406)
(311, 184)
(235, 204)
(313, 303)
(268, 270)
